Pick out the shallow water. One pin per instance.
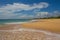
(6, 21)
(28, 34)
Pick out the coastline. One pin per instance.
(33, 29)
(28, 34)
(52, 25)
(21, 22)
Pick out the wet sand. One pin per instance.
(28, 34)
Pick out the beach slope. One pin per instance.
(52, 25)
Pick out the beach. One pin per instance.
(52, 25)
(39, 29)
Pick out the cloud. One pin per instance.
(56, 13)
(25, 16)
(53, 14)
(8, 10)
(41, 14)
(20, 6)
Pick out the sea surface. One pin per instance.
(7, 21)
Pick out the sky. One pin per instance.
(22, 9)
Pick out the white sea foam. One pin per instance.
(15, 22)
(34, 20)
(33, 30)
(20, 22)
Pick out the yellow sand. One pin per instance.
(52, 25)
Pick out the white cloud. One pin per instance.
(41, 14)
(41, 5)
(8, 10)
(26, 16)
(56, 13)
(53, 14)
(20, 6)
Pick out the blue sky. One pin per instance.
(20, 9)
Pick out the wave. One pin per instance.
(21, 22)
(34, 20)
(25, 31)
(33, 30)
(15, 22)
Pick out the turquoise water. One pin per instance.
(3, 21)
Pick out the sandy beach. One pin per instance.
(41, 29)
(52, 25)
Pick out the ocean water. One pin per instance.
(6, 21)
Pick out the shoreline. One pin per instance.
(52, 25)
(32, 34)
(21, 22)
(32, 30)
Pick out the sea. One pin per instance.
(13, 21)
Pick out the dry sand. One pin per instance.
(52, 25)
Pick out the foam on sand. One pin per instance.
(32, 30)
(28, 33)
